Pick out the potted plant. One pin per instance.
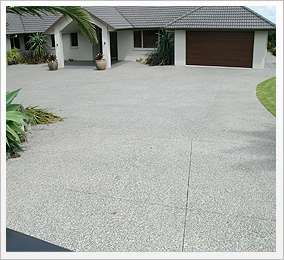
(15, 55)
(9, 57)
(100, 62)
(52, 62)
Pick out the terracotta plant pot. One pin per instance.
(101, 64)
(53, 65)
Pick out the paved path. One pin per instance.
(148, 159)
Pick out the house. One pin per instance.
(230, 36)
(21, 27)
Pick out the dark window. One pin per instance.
(145, 38)
(52, 41)
(137, 39)
(150, 38)
(15, 42)
(74, 39)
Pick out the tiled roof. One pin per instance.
(29, 24)
(109, 15)
(152, 16)
(222, 17)
(169, 17)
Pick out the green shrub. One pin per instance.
(38, 49)
(15, 54)
(165, 47)
(271, 44)
(272, 38)
(9, 57)
(14, 122)
(38, 44)
(164, 54)
(29, 57)
(273, 50)
(153, 58)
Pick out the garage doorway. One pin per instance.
(219, 48)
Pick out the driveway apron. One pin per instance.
(147, 159)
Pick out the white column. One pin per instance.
(106, 45)
(59, 47)
(180, 47)
(8, 44)
(259, 49)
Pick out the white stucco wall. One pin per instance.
(85, 50)
(125, 47)
(259, 49)
(82, 52)
(180, 47)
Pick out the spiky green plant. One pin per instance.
(41, 116)
(78, 14)
(15, 54)
(164, 54)
(165, 47)
(9, 56)
(14, 121)
(38, 44)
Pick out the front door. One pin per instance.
(113, 45)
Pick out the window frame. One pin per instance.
(71, 42)
(142, 39)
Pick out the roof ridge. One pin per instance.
(259, 15)
(115, 7)
(175, 20)
(99, 19)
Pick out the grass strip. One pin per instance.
(266, 93)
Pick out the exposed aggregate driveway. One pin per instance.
(147, 159)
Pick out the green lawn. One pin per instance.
(266, 93)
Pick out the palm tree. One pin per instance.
(76, 13)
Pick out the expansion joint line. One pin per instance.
(190, 159)
(187, 193)
(209, 110)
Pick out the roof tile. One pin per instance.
(170, 17)
(225, 17)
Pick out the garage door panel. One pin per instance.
(233, 49)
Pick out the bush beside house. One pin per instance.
(271, 45)
(164, 54)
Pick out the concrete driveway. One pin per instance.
(148, 159)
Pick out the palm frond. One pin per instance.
(41, 116)
(76, 13)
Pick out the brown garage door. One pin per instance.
(230, 49)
